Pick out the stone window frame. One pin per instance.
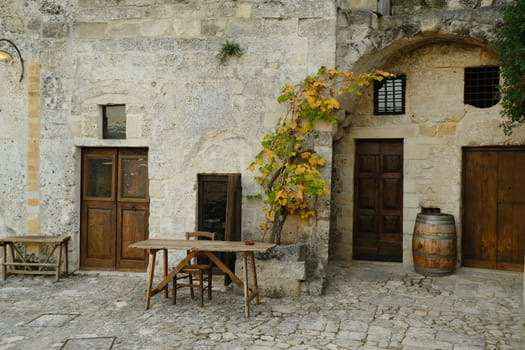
(481, 86)
(108, 122)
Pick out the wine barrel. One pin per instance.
(434, 244)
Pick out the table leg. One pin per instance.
(165, 266)
(167, 279)
(234, 278)
(246, 291)
(152, 256)
(223, 268)
(66, 259)
(254, 273)
(59, 261)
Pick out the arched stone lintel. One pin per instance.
(398, 36)
(401, 47)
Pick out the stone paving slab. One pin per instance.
(366, 306)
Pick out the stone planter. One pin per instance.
(280, 272)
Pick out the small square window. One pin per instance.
(481, 86)
(114, 122)
(389, 95)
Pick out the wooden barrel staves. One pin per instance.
(434, 244)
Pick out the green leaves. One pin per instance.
(289, 174)
(509, 42)
(229, 49)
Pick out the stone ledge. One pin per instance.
(294, 252)
(280, 272)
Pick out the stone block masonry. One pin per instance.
(195, 116)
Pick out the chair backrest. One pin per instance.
(199, 234)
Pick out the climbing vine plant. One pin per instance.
(289, 169)
(509, 42)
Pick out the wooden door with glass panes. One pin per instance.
(115, 209)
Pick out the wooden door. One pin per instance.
(494, 208)
(378, 200)
(219, 205)
(219, 209)
(115, 209)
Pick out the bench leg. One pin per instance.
(12, 249)
(4, 261)
(62, 252)
(59, 261)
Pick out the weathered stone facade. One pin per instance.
(432, 47)
(158, 57)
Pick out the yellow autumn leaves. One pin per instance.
(290, 174)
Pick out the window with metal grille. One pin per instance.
(389, 95)
(481, 86)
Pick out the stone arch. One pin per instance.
(404, 46)
(381, 56)
(390, 47)
(364, 33)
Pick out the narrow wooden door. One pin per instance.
(219, 209)
(378, 200)
(115, 209)
(494, 207)
(219, 205)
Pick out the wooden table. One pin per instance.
(208, 248)
(56, 242)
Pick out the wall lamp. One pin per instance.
(4, 56)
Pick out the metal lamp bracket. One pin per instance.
(19, 56)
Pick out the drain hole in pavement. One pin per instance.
(52, 320)
(97, 343)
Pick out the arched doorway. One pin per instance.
(436, 125)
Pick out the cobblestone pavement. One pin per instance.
(366, 306)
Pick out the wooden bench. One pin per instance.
(45, 267)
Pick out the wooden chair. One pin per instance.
(195, 270)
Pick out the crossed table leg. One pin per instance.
(249, 293)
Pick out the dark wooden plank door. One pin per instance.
(378, 204)
(219, 205)
(232, 227)
(494, 208)
(115, 209)
(480, 170)
(219, 210)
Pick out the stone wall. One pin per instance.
(158, 57)
(432, 48)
